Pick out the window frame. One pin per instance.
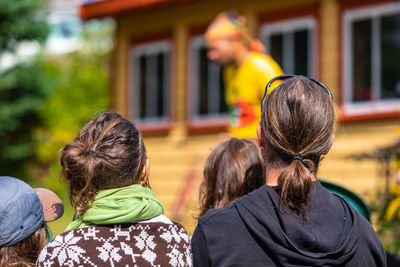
(289, 25)
(369, 108)
(152, 125)
(197, 123)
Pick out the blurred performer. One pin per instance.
(247, 70)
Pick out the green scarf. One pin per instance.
(120, 205)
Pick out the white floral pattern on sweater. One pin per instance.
(149, 243)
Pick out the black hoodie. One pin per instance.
(253, 231)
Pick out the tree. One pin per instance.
(23, 87)
(20, 22)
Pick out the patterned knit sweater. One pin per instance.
(156, 242)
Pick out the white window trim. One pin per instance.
(136, 51)
(195, 43)
(290, 25)
(373, 106)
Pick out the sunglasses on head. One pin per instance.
(288, 76)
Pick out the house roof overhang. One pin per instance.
(90, 9)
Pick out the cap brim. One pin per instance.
(53, 207)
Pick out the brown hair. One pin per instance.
(233, 169)
(107, 153)
(25, 252)
(298, 118)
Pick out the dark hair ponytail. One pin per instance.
(295, 183)
(297, 124)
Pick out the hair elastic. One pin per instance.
(298, 156)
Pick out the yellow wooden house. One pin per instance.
(162, 80)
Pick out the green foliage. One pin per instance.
(23, 87)
(389, 230)
(393, 208)
(20, 22)
(389, 210)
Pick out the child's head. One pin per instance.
(25, 252)
(107, 153)
(233, 169)
(24, 212)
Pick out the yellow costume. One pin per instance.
(244, 91)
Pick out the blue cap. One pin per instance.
(21, 212)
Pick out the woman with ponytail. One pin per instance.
(292, 220)
(118, 220)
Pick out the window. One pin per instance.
(207, 97)
(150, 74)
(291, 44)
(371, 68)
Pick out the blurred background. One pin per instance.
(63, 62)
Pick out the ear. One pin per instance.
(144, 175)
(260, 137)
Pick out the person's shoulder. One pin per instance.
(163, 225)
(230, 212)
(72, 242)
(264, 63)
(260, 59)
(162, 220)
(223, 214)
(370, 249)
(367, 232)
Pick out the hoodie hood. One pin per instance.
(326, 235)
